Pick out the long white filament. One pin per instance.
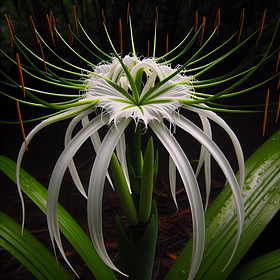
(192, 190)
(238, 150)
(96, 186)
(68, 136)
(57, 176)
(213, 149)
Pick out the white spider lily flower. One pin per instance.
(141, 91)
(118, 109)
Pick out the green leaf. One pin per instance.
(265, 267)
(261, 197)
(67, 224)
(29, 251)
(123, 191)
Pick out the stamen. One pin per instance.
(278, 110)
(11, 30)
(157, 16)
(50, 28)
(217, 21)
(52, 20)
(20, 74)
(38, 41)
(278, 59)
(45, 65)
(120, 33)
(148, 48)
(167, 41)
(241, 22)
(127, 14)
(278, 83)
(203, 28)
(12, 26)
(76, 22)
(265, 111)
(104, 20)
(196, 22)
(260, 34)
(71, 40)
(21, 125)
(33, 25)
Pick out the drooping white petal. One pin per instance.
(96, 186)
(121, 154)
(205, 157)
(35, 130)
(172, 180)
(96, 142)
(71, 166)
(29, 137)
(57, 176)
(192, 190)
(238, 150)
(213, 149)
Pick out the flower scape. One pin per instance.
(147, 93)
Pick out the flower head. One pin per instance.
(149, 93)
(119, 101)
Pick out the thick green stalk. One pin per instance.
(137, 246)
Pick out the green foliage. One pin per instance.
(265, 267)
(67, 224)
(29, 251)
(261, 196)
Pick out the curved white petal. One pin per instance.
(57, 176)
(34, 131)
(192, 190)
(96, 142)
(147, 64)
(96, 186)
(213, 149)
(238, 150)
(121, 154)
(150, 83)
(172, 180)
(71, 166)
(205, 157)
(29, 137)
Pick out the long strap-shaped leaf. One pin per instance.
(29, 251)
(68, 226)
(265, 267)
(261, 196)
